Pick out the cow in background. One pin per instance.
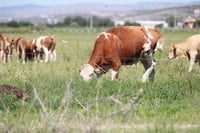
(45, 47)
(25, 49)
(125, 45)
(5, 49)
(189, 48)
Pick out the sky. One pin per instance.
(65, 2)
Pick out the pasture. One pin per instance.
(62, 102)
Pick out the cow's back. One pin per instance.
(156, 36)
(131, 41)
(193, 42)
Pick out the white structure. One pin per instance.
(119, 23)
(152, 23)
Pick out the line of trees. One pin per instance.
(16, 24)
(76, 21)
(79, 21)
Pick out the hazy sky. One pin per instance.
(62, 2)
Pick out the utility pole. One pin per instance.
(91, 21)
(175, 19)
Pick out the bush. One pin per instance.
(128, 23)
(13, 24)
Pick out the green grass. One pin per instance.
(72, 105)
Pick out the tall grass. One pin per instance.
(62, 102)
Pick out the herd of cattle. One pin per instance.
(124, 45)
(43, 46)
(127, 45)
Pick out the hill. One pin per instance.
(161, 14)
(140, 11)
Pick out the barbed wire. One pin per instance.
(105, 57)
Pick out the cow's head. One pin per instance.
(87, 72)
(176, 52)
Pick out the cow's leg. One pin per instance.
(46, 52)
(115, 69)
(8, 57)
(18, 53)
(149, 65)
(53, 55)
(41, 54)
(114, 74)
(1, 56)
(149, 73)
(4, 57)
(192, 60)
(36, 56)
(10, 54)
(23, 56)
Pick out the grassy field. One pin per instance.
(62, 102)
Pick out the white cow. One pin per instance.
(189, 48)
(45, 45)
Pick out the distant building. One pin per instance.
(163, 24)
(189, 23)
(197, 12)
(119, 23)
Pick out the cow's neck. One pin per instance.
(94, 61)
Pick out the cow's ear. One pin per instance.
(173, 46)
(174, 49)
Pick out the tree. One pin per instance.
(102, 21)
(67, 21)
(80, 21)
(170, 21)
(128, 23)
(13, 24)
(24, 23)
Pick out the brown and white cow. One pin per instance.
(5, 49)
(123, 45)
(46, 45)
(25, 49)
(189, 48)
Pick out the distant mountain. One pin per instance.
(180, 13)
(151, 10)
(26, 11)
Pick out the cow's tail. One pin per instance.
(53, 44)
(159, 45)
(17, 47)
(16, 42)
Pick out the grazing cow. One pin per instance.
(5, 49)
(123, 45)
(189, 48)
(46, 45)
(25, 49)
